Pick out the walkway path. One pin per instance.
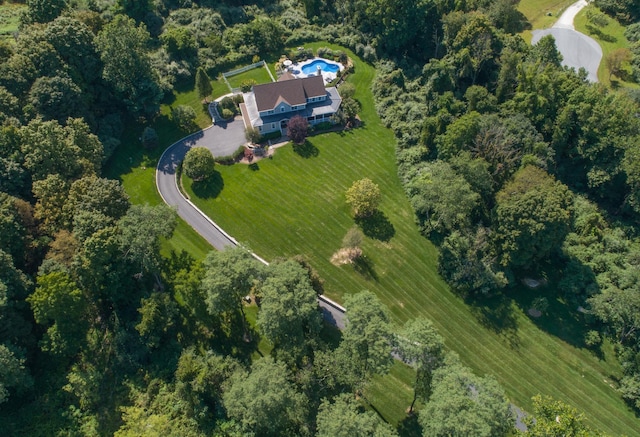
(222, 139)
(577, 49)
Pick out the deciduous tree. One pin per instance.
(140, 230)
(127, 66)
(71, 151)
(345, 417)
(555, 418)
(616, 61)
(442, 199)
(42, 11)
(289, 315)
(184, 116)
(229, 277)
(13, 373)
(298, 129)
(265, 402)
(367, 340)
(533, 214)
(464, 404)
(420, 346)
(363, 197)
(59, 305)
(198, 163)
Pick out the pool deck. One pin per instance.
(296, 69)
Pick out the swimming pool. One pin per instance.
(325, 66)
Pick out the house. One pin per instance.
(268, 107)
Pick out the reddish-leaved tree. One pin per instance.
(298, 129)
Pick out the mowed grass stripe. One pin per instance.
(294, 205)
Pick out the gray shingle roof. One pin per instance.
(293, 92)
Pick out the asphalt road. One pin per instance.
(577, 49)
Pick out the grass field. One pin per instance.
(259, 75)
(610, 38)
(9, 18)
(541, 14)
(294, 204)
(135, 168)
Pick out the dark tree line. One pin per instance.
(521, 166)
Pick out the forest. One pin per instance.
(515, 167)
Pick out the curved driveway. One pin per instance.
(222, 139)
(577, 49)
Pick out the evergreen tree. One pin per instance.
(203, 84)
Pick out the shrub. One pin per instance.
(346, 90)
(324, 52)
(228, 103)
(271, 136)
(255, 59)
(230, 159)
(246, 85)
(593, 339)
(322, 126)
(238, 98)
(149, 138)
(227, 113)
(253, 135)
(184, 116)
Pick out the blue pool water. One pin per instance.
(312, 68)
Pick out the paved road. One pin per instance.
(167, 185)
(566, 19)
(577, 49)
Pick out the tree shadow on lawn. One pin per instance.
(306, 149)
(376, 226)
(209, 188)
(409, 426)
(496, 313)
(364, 266)
(131, 154)
(561, 319)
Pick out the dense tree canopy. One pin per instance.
(464, 404)
(264, 401)
(123, 47)
(289, 317)
(533, 213)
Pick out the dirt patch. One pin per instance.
(534, 312)
(346, 255)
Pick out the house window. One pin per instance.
(273, 125)
(260, 128)
(282, 109)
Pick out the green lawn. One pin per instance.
(135, 168)
(260, 75)
(542, 13)
(10, 18)
(610, 38)
(294, 204)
